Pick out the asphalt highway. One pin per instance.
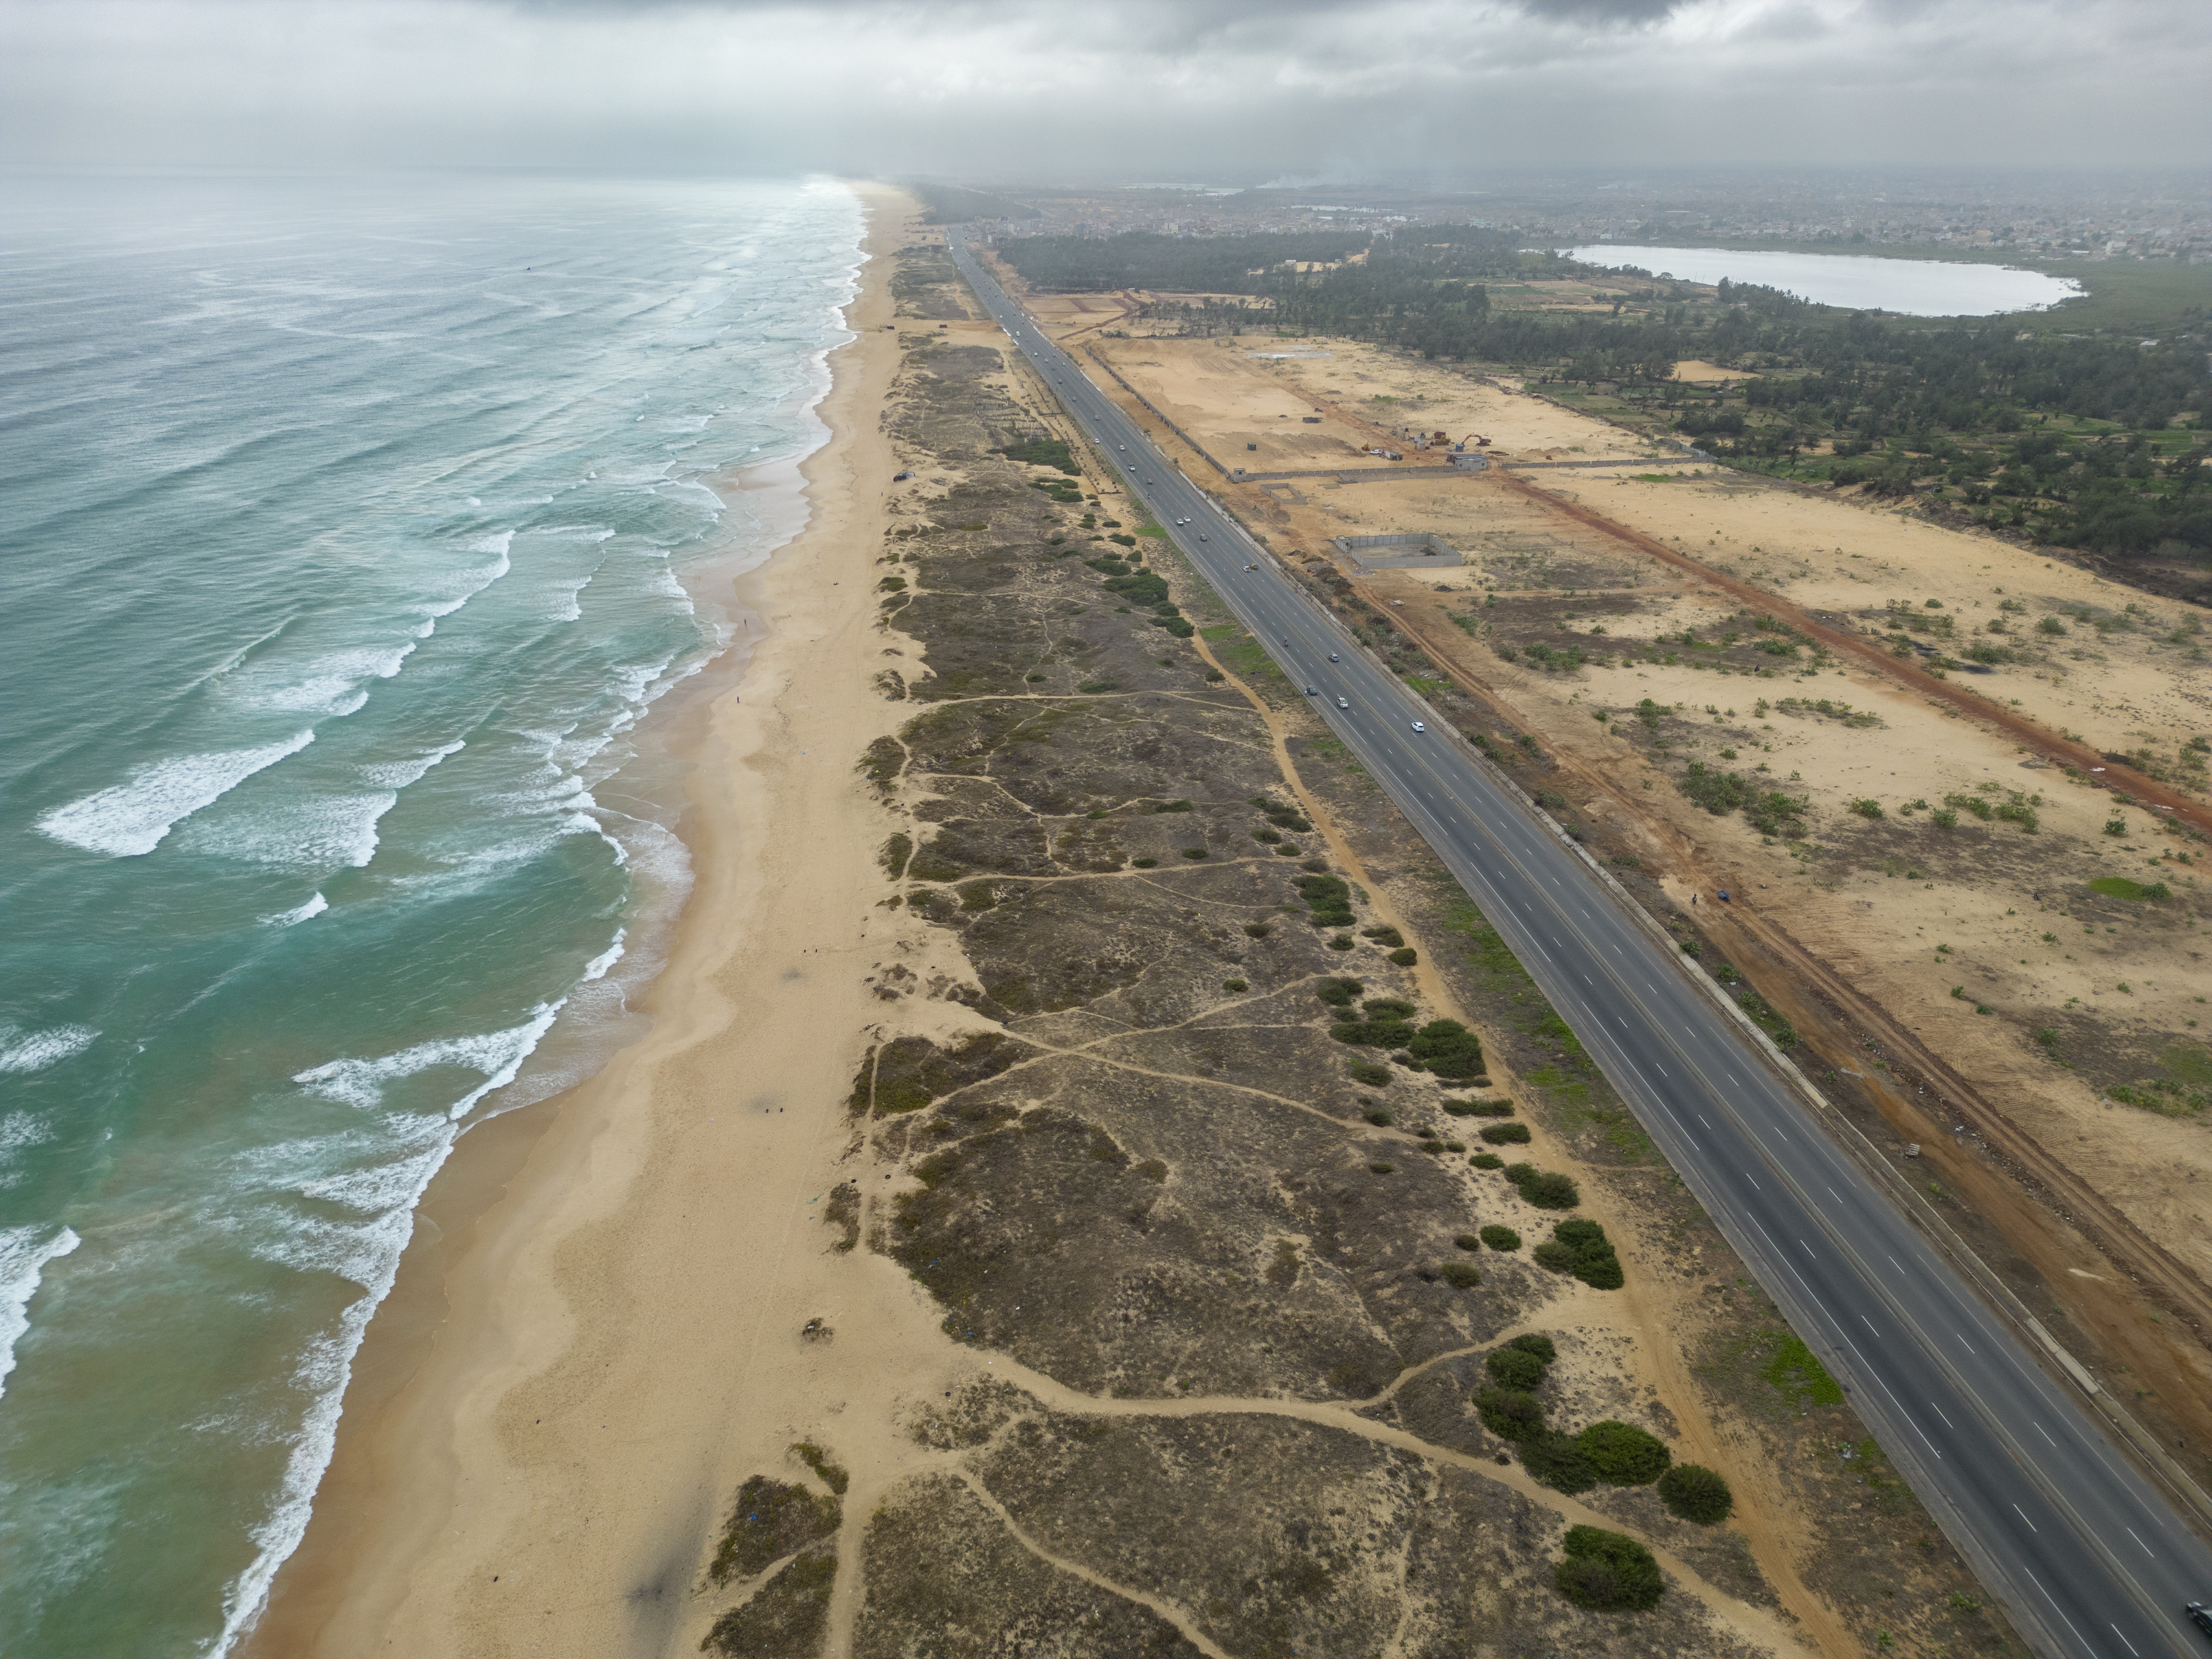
(2086, 1557)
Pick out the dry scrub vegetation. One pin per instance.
(1321, 1296)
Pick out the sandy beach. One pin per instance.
(598, 1331)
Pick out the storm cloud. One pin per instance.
(1229, 90)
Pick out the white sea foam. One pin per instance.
(560, 601)
(314, 907)
(24, 1252)
(329, 684)
(599, 965)
(497, 1054)
(130, 818)
(17, 1130)
(369, 1253)
(22, 1130)
(34, 1051)
(319, 832)
(397, 775)
(456, 589)
(323, 1372)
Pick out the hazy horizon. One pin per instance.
(1228, 91)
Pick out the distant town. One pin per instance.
(2053, 217)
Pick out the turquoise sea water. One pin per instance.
(346, 526)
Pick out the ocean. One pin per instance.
(353, 530)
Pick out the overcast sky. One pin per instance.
(1227, 90)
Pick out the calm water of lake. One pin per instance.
(1916, 287)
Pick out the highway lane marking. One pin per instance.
(1948, 1423)
(2022, 1514)
(1701, 1118)
(2132, 1648)
(2047, 1595)
(1755, 1187)
(2130, 1531)
(1809, 1250)
(2045, 1433)
(1967, 1346)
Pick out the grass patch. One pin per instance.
(2119, 887)
(1794, 1371)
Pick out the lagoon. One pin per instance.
(1913, 288)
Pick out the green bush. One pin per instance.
(1405, 956)
(1375, 1077)
(1509, 1413)
(1558, 1461)
(1379, 1118)
(1607, 1572)
(1543, 1189)
(1144, 864)
(1696, 1493)
(1193, 852)
(1555, 1257)
(1387, 937)
(1448, 1048)
(1867, 808)
(1623, 1454)
(1468, 1242)
(1374, 1033)
(1501, 1238)
(1594, 1262)
(1387, 1008)
(1338, 993)
(1514, 1368)
(1327, 898)
(1504, 1135)
(1459, 1274)
(1537, 1343)
(1487, 1161)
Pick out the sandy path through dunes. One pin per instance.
(622, 1344)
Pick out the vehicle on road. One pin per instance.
(1251, 567)
(2200, 1615)
(1201, 535)
(1420, 726)
(1311, 692)
(1332, 656)
(1341, 703)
